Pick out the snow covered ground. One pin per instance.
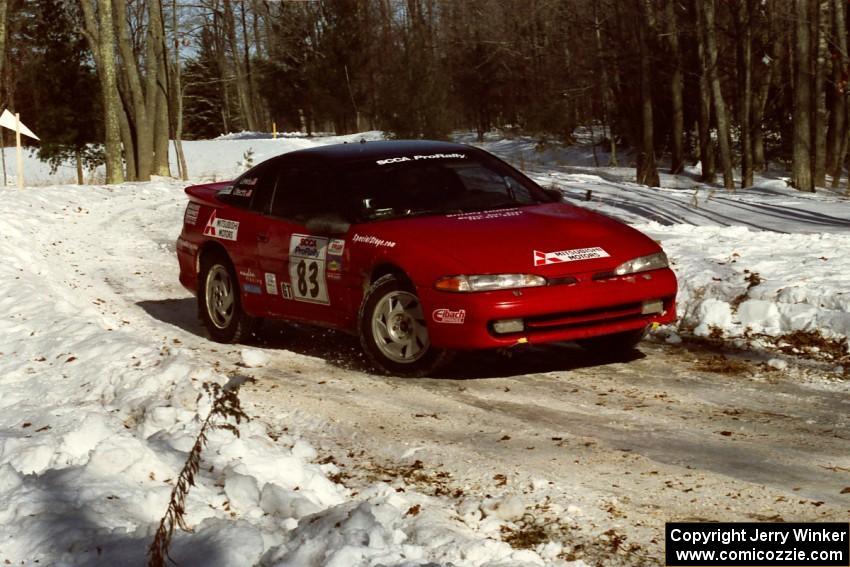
(103, 389)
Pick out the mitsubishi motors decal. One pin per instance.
(221, 228)
(545, 258)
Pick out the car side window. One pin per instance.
(304, 190)
(253, 189)
(264, 189)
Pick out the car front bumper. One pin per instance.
(566, 312)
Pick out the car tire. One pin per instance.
(220, 302)
(614, 345)
(393, 332)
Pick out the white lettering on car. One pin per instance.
(372, 240)
(191, 215)
(402, 159)
(545, 258)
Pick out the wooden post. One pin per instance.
(20, 154)
(3, 152)
(274, 130)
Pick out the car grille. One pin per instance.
(589, 318)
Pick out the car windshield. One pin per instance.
(405, 187)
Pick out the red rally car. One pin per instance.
(421, 248)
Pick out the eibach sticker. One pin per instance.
(448, 316)
(224, 229)
(307, 259)
(191, 215)
(545, 258)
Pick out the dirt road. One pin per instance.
(600, 453)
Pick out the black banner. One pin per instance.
(693, 544)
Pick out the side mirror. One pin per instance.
(555, 194)
(332, 225)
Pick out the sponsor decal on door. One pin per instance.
(271, 284)
(224, 229)
(307, 269)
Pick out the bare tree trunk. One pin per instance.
(801, 165)
(250, 81)
(724, 140)
(745, 70)
(142, 110)
(768, 79)
(706, 145)
(78, 158)
(647, 170)
(838, 116)
(819, 112)
(156, 37)
(3, 9)
(607, 95)
(242, 87)
(177, 93)
(129, 145)
(99, 34)
(677, 126)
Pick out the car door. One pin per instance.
(250, 199)
(304, 263)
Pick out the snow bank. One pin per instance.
(735, 281)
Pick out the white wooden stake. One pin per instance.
(20, 152)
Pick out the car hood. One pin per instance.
(518, 240)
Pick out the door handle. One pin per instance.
(262, 238)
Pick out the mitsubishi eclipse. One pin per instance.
(421, 248)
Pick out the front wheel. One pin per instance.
(219, 303)
(393, 333)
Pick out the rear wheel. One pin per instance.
(393, 333)
(219, 302)
(614, 345)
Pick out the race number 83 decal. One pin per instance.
(307, 256)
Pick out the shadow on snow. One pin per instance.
(343, 350)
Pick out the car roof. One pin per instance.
(357, 151)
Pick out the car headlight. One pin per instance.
(643, 264)
(488, 282)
